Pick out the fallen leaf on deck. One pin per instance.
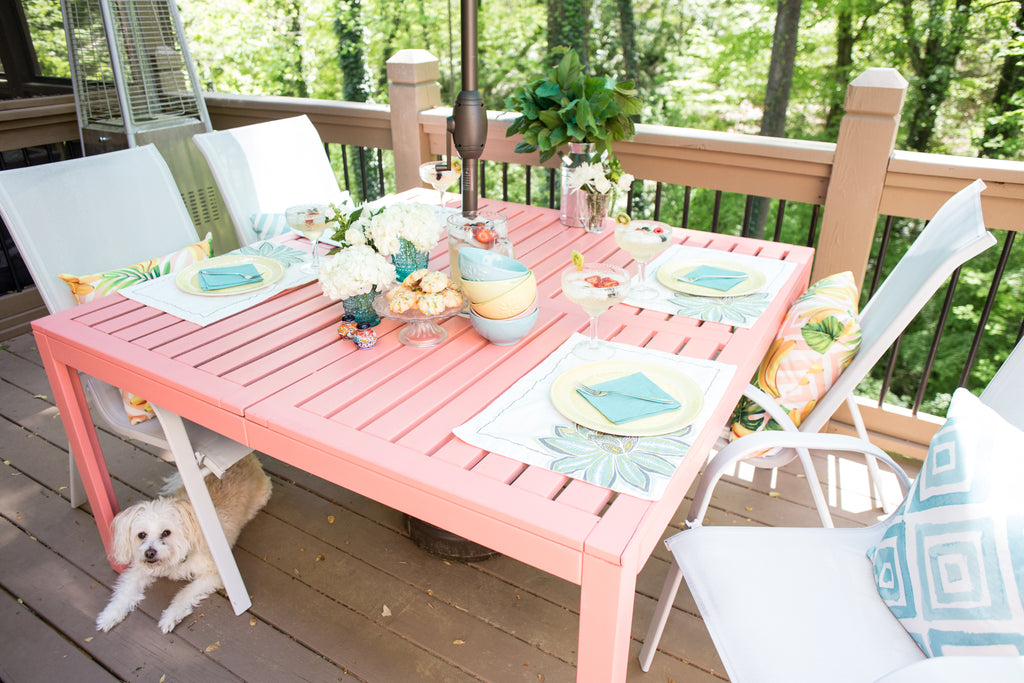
(774, 494)
(748, 509)
(253, 621)
(320, 558)
(89, 639)
(330, 519)
(211, 648)
(162, 678)
(458, 641)
(386, 612)
(42, 396)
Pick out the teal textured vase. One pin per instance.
(408, 259)
(360, 307)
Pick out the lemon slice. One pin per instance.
(577, 259)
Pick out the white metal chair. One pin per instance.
(96, 214)
(264, 168)
(800, 605)
(954, 235)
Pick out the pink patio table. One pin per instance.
(379, 422)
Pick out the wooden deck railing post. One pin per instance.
(413, 87)
(867, 136)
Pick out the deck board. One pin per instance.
(321, 562)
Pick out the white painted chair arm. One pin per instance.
(744, 448)
(960, 669)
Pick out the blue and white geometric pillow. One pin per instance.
(951, 566)
(269, 225)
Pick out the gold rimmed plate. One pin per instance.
(669, 275)
(675, 383)
(187, 279)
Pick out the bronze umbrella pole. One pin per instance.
(468, 122)
(468, 128)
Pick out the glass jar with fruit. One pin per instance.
(487, 230)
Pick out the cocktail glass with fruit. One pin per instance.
(643, 240)
(596, 288)
(439, 177)
(311, 221)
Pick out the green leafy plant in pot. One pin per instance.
(567, 108)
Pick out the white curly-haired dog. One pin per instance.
(161, 538)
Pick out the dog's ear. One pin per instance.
(122, 548)
(189, 522)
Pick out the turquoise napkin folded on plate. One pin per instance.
(619, 409)
(713, 277)
(229, 276)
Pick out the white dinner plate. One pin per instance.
(676, 384)
(668, 273)
(187, 280)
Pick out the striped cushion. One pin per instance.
(951, 566)
(269, 225)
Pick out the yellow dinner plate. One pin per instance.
(271, 270)
(676, 384)
(668, 273)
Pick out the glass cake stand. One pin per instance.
(422, 330)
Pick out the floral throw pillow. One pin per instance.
(950, 566)
(89, 287)
(818, 338)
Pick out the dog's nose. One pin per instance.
(150, 553)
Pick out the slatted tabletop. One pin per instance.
(379, 422)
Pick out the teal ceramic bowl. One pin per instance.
(504, 332)
(481, 265)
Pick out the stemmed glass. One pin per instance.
(596, 288)
(643, 240)
(441, 179)
(311, 221)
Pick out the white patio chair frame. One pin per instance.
(954, 235)
(91, 215)
(264, 168)
(799, 605)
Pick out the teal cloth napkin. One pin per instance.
(228, 276)
(619, 409)
(713, 277)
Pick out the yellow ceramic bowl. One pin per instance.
(511, 303)
(485, 290)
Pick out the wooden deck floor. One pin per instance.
(339, 591)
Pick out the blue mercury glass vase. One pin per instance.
(408, 259)
(360, 306)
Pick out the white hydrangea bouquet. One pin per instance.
(350, 226)
(600, 177)
(417, 223)
(355, 270)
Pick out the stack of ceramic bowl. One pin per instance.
(502, 293)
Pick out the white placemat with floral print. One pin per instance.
(523, 424)
(162, 293)
(739, 311)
